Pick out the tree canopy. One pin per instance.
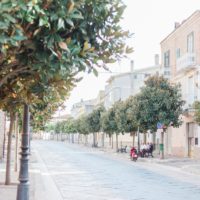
(94, 119)
(158, 101)
(196, 107)
(44, 44)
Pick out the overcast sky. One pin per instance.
(150, 21)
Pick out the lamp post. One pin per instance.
(23, 186)
(138, 132)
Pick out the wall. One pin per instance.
(178, 39)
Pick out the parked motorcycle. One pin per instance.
(133, 154)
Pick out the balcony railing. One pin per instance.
(185, 62)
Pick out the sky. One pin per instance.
(150, 21)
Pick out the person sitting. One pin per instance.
(143, 150)
(133, 150)
(150, 152)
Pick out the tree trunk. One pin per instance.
(116, 142)
(154, 140)
(162, 146)
(94, 140)
(112, 141)
(16, 142)
(133, 134)
(103, 139)
(4, 137)
(138, 132)
(8, 162)
(85, 140)
(78, 138)
(73, 138)
(145, 138)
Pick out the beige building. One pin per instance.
(180, 63)
(2, 132)
(82, 108)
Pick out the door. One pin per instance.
(192, 128)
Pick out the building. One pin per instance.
(2, 132)
(82, 108)
(122, 86)
(60, 118)
(180, 52)
(100, 98)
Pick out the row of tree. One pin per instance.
(44, 44)
(158, 102)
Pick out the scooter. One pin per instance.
(133, 154)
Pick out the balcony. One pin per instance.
(186, 62)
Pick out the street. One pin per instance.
(81, 173)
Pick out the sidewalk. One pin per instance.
(7, 192)
(185, 165)
(41, 184)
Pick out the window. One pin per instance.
(135, 76)
(178, 53)
(196, 141)
(190, 43)
(167, 59)
(167, 73)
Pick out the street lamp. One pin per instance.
(138, 132)
(23, 186)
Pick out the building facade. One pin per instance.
(180, 52)
(124, 85)
(82, 108)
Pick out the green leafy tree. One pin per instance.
(83, 127)
(159, 102)
(120, 119)
(94, 122)
(108, 121)
(196, 107)
(44, 37)
(45, 44)
(131, 123)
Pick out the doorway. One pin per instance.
(192, 131)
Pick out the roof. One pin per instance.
(181, 25)
(137, 71)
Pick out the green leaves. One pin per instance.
(196, 107)
(94, 120)
(43, 40)
(158, 101)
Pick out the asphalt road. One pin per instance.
(84, 174)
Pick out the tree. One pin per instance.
(44, 44)
(120, 119)
(108, 122)
(159, 102)
(82, 126)
(44, 37)
(196, 107)
(94, 122)
(131, 123)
